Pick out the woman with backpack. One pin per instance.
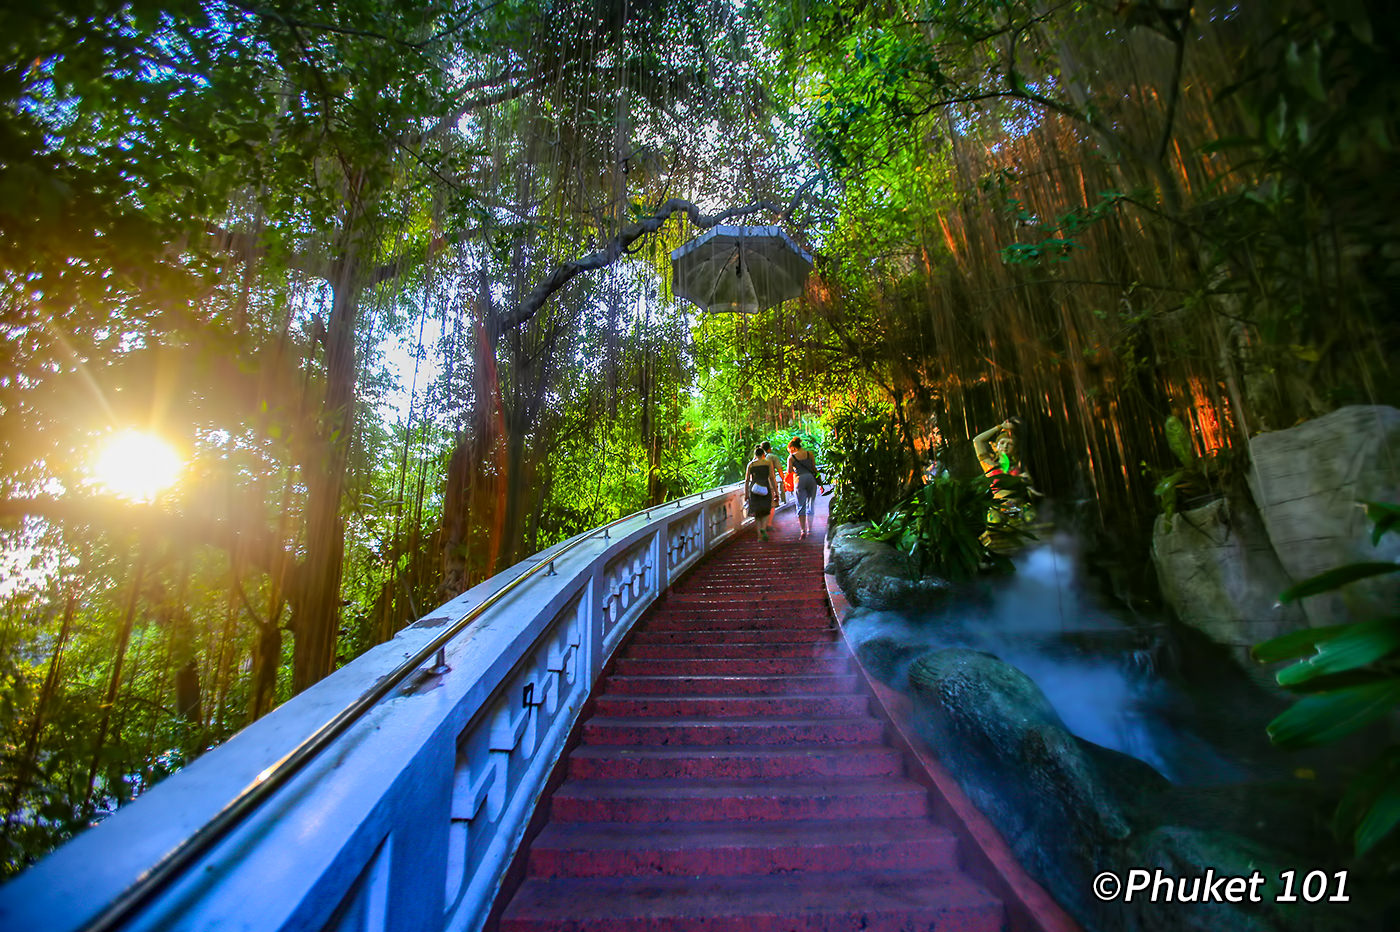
(802, 462)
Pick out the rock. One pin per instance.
(1307, 480)
(1042, 788)
(885, 658)
(1220, 574)
(877, 575)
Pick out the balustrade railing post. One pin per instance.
(598, 596)
(661, 558)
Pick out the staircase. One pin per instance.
(732, 777)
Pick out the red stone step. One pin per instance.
(699, 849)
(711, 685)
(709, 605)
(736, 650)
(739, 635)
(796, 902)
(755, 597)
(758, 666)
(756, 762)
(654, 731)
(769, 707)
(737, 800)
(692, 624)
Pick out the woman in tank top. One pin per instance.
(802, 462)
(758, 489)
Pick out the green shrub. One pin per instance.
(867, 460)
(952, 527)
(1348, 677)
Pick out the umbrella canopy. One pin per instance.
(740, 269)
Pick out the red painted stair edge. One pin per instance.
(987, 858)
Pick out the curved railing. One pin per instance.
(393, 794)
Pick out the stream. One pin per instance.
(1113, 679)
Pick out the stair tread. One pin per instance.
(669, 835)
(710, 697)
(657, 721)
(796, 895)
(649, 752)
(716, 789)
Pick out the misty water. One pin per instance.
(1110, 678)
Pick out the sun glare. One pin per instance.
(137, 465)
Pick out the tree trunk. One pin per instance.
(115, 679)
(469, 500)
(24, 773)
(317, 596)
(267, 657)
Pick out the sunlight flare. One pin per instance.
(137, 465)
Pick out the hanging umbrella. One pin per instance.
(739, 269)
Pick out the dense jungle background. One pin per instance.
(388, 282)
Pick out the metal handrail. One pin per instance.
(165, 870)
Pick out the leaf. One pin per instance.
(1385, 516)
(1179, 439)
(1294, 643)
(1380, 819)
(1359, 645)
(1335, 579)
(1362, 811)
(1325, 717)
(1167, 483)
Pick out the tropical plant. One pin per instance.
(867, 461)
(1348, 676)
(952, 527)
(1194, 476)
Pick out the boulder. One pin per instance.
(1070, 809)
(885, 658)
(1220, 574)
(1041, 786)
(875, 574)
(1307, 481)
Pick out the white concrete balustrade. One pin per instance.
(408, 820)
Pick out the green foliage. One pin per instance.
(867, 460)
(1348, 676)
(1195, 476)
(947, 527)
(1064, 240)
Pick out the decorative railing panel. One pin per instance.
(498, 763)
(685, 542)
(722, 517)
(391, 795)
(629, 586)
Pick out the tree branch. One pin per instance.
(617, 246)
(1178, 36)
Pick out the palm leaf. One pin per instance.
(1335, 579)
(1324, 717)
(1294, 643)
(1358, 645)
(1380, 819)
(1384, 516)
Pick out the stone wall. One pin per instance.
(1219, 572)
(1222, 566)
(1307, 481)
